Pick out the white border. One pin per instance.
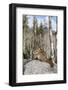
(20, 78)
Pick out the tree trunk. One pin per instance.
(51, 40)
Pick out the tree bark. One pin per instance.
(51, 40)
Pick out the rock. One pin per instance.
(38, 67)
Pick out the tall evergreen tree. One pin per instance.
(25, 23)
(25, 32)
(35, 25)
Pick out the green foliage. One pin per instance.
(37, 29)
(40, 30)
(25, 32)
(26, 53)
(25, 23)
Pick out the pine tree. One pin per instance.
(41, 34)
(25, 32)
(34, 31)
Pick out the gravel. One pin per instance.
(38, 67)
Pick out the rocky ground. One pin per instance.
(38, 67)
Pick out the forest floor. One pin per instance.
(38, 67)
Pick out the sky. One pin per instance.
(43, 19)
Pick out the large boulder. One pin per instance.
(38, 67)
